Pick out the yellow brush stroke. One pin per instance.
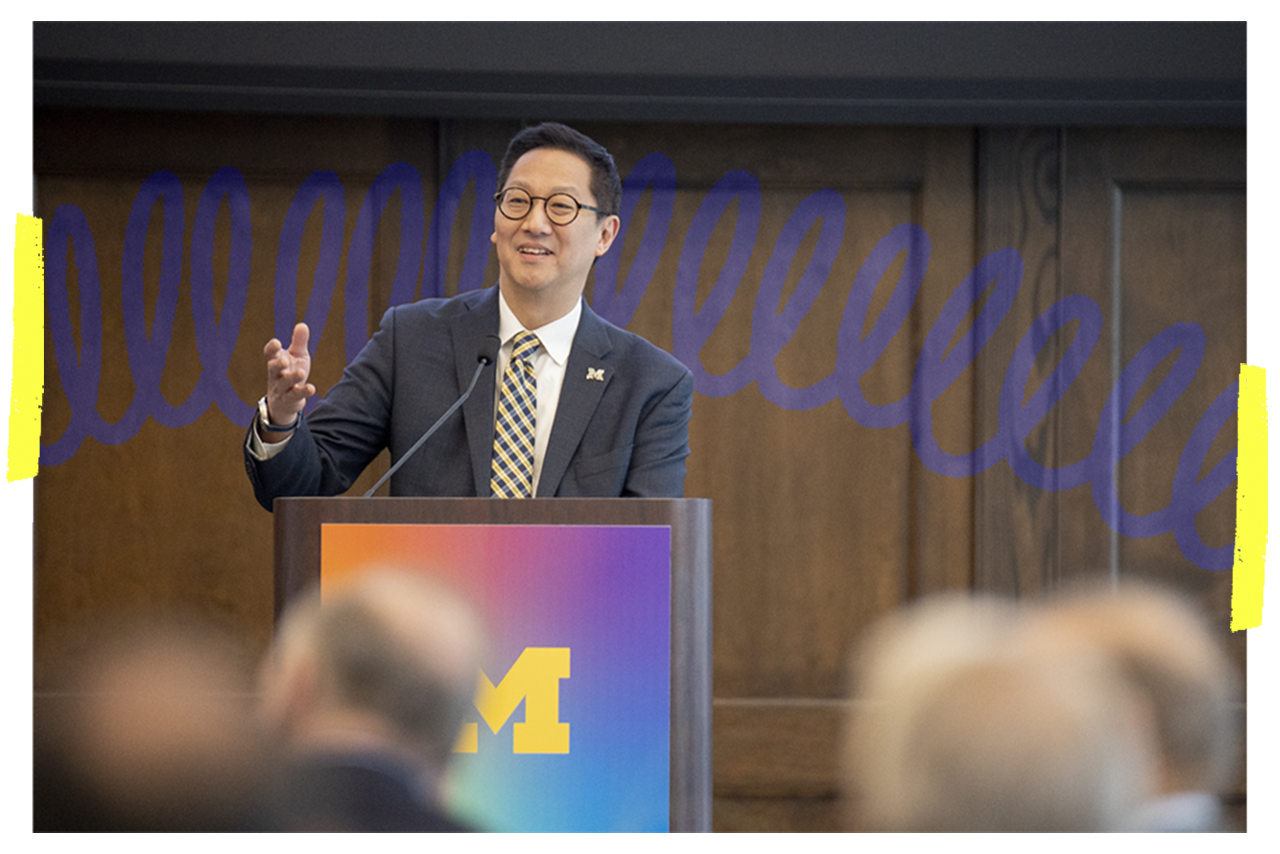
(1251, 500)
(27, 391)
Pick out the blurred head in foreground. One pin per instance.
(1167, 654)
(150, 730)
(960, 724)
(368, 692)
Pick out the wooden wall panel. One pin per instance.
(1166, 242)
(823, 523)
(1015, 532)
(1181, 257)
(1156, 234)
(167, 519)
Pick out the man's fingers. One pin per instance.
(287, 369)
(301, 335)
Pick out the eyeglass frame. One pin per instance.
(497, 198)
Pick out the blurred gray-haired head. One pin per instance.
(399, 649)
(958, 724)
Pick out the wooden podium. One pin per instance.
(300, 523)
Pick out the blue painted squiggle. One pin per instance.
(693, 325)
(423, 256)
(397, 176)
(1018, 419)
(1193, 493)
(326, 189)
(937, 368)
(473, 166)
(771, 329)
(216, 340)
(79, 369)
(855, 354)
(1110, 446)
(149, 352)
(618, 307)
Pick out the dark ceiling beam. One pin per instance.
(831, 73)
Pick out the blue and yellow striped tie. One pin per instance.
(512, 475)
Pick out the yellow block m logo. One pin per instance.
(534, 678)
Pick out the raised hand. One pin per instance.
(287, 371)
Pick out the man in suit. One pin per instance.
(612, 410)
(367, 694)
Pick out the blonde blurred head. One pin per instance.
(1167, 653)
(957, 724)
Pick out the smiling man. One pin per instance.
(575, 405)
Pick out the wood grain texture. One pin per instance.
(1016, 525)
(777, 748)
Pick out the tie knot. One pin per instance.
(526, 344)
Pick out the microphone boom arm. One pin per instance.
(488, 351)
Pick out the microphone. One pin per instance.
(486, 355)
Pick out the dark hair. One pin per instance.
(606, 186)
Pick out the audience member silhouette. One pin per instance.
(368, 692)
(1168, 655)
(960, 723)
(150, 729)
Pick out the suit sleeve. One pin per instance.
(334, 444)
(662, 443)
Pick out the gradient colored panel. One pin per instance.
(604, 592)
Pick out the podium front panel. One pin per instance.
(605, 572)
(571, 727)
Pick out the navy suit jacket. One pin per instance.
(625, 434)
(357, 792)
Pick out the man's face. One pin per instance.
(537, 258)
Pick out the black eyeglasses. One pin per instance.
(561, 208)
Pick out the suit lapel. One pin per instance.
(477, 413)
(579, 397)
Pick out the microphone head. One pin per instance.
(489, 349)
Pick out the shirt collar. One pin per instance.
(556, 336)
